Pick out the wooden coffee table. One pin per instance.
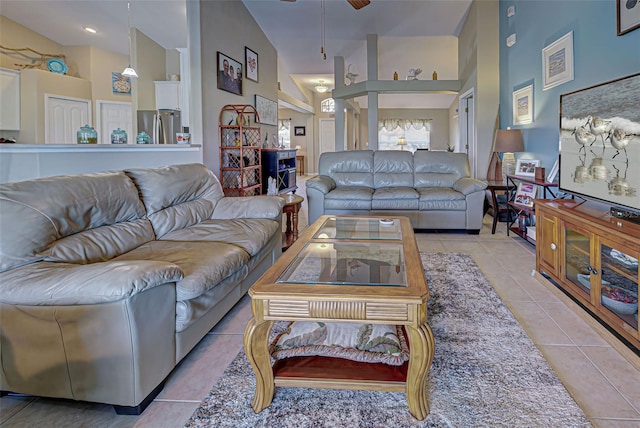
(312, 282)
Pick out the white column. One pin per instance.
(372, 115)
(338, 77)
(372, 57)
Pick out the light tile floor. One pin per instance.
(604, 381)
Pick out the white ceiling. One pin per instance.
(294, 28)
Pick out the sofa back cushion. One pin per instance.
(177, 196)
(75, 218)
(392, 168)
(439, 169)
(348, 168)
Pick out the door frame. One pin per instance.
(467, 126)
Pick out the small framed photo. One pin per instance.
(299, 131)
(527, 167)
(251, 64)
(628, 13)
(523, 106)
(120, 84)
(229, 74)
(525, 194)
(557, 62)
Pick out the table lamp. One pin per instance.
(402, 142)
(508, 141)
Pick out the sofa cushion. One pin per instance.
(400, 198)
(441, 198)
(249, 234)
(351, 168)
(349, 197)
(392, 168)
(177, 196)
(53, 208)
(204, 264)
(439, 169)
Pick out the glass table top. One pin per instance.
(348, 263)
(359, 228)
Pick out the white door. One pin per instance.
(327, 137)
(113, 115)
(63, 117)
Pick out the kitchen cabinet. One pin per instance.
(168, 95)
(593, 257)
(9, 99)
(240, 147)
(281, 165)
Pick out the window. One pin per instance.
(328, 106)
(417, 133)
(284, 133)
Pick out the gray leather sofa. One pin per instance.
(433, 189)
(108, 280)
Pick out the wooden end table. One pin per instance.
(394, 292)
(292, 204)
(493, 187)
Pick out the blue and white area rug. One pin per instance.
(486, 372)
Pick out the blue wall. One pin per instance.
(600, 55)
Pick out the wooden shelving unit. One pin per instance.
(520, 209)
(240, 150)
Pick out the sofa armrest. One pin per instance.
(248, 207)
(52, 283)
(322, 183)
(467, 185)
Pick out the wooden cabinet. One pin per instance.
(168, 95)
(279, 164)
(9, 99)
(240, 160)
(594, 258)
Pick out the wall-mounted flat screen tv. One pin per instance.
(600, 142)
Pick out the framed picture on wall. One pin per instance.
(628, 13)
(251, 64)
(229, 74)
(267, 110)
(557, 62)
(523, 106)
(299, 131)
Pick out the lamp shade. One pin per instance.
(509, 140)
(402, 141)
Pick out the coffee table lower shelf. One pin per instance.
(338, 373)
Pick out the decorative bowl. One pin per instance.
(611, 298)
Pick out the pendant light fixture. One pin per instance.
(129, 71)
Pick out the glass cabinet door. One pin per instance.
(577, 261)
(619, 282)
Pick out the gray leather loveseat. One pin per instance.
(433, 189)
(108, 280)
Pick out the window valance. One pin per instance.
(406, 124)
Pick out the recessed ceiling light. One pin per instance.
(90, 30)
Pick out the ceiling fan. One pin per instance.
(357, 4)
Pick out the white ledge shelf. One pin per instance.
(96, 148)
(397, 87)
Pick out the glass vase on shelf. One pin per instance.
(87, 135)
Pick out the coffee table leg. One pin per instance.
(256, 346)
(422, 348)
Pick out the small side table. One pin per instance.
(292, 204)
(494, 186)
(300, 164)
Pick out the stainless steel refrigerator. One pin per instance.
(161, 125)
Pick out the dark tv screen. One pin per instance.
(600, 142)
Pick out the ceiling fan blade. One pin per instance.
(359, 4)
